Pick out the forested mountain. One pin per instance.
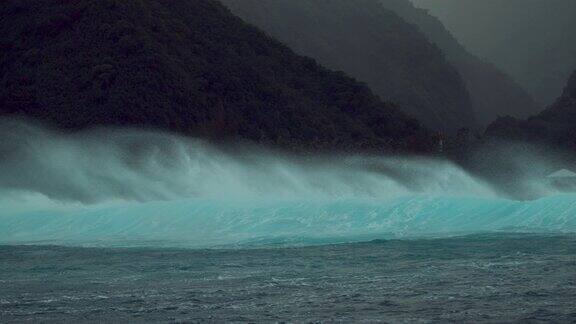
(532, 40)
(188, 66)
(556, 124)
(493, 92)
(374, 45)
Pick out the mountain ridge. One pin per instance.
(531, 40)
(374, 45)
(492, 91)
(555, 125)
(185, 66)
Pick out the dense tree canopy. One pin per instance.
(188, 66)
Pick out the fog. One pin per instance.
(133, 165)
(531, 40)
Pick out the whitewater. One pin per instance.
(119, 187)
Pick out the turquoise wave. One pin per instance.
(210, 223)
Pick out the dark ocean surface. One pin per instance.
(479, 278)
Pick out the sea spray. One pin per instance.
(129, 187)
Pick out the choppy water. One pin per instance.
(481, 278)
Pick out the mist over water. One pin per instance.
(126, 187)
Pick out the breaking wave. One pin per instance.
(127, 187)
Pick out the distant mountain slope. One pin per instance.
(556, 125)
(493, 92)
(373, 45)
(188, 66)
(564, 109)
(532, 40)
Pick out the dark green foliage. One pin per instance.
(493, 93)
(372, 44)
(188, 66)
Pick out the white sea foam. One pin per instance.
(131, 186)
